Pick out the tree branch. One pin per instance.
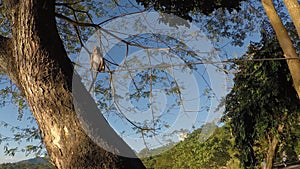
(6, 59)
(70, 3)
(97, 27)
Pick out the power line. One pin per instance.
(166, 65)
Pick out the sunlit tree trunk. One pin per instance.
(37, 62)
(285, 42)
(294, 10)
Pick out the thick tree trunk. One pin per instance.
(285, 43)
(36, 61)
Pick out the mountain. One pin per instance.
(34, 163)
(37, 160)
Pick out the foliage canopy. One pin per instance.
(263, 103)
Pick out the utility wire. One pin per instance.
(165, 65)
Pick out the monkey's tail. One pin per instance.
(94, 76)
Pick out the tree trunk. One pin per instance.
(294, 10)
(273, 142)
(271, 152)
(37, 62)
(285, 42)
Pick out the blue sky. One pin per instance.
(9, 113)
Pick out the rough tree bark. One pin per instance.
(285, 42)
(35, 59)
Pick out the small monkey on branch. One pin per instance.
(97, 63)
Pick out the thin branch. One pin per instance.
(67, 4)
(77, 10)
(131, 122)
(83, 24)
(151, 90)
(86, 24)
(129, 71)
(115, 17)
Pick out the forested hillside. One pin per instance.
(217, 152)
(191, 153)
(35, 163)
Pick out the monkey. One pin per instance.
(97, 63)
